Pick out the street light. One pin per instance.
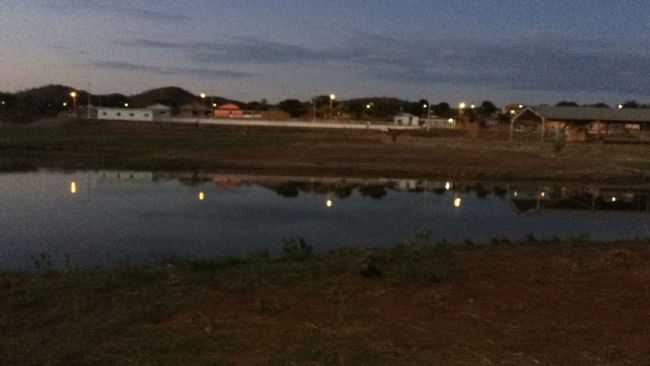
(461, 107)
(473, 106)
(73, 187)
(329, 203)
(202, 95)
(65, 104)
(126, 105)
(201, 196)
(620, 106)
(332, 99)
(73, 95)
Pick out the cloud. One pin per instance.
(198, 72)
(118, 8)
(536, 62)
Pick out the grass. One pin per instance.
(83, 317)
(303, 309)
(148, 146)
(142, 147)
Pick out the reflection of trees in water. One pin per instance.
(288, 189)
(343, 191)
(340, 190)
(373, 191)
(481, 192)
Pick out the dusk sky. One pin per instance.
(532, 51)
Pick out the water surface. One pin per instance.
(109, 218)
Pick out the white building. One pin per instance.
(406, 119)
(160, 112)
(149, 114)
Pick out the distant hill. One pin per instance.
(171, 96)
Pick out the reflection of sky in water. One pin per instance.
(127, 222)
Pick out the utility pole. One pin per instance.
(88, 105)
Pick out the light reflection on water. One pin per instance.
(105, 218)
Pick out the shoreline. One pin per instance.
(284, 151)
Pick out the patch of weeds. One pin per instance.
(423, 262)
(579, 238)
(42, 263)
(296, 249)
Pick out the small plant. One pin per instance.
(296, 249)
(580, 238)
(531, 238)
(43, 263)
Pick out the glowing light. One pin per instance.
(332, 97)
(73, 94)
(620, 106)
(614, 199)
(73, 187)
(126, 105)
(516, 194)
(451, 120)
(448, 185)
(3, 102)
(425, 106)
(542, 194)
(513, 112)
(201, 196)
(521, 106)
(462, 105)
(473, 106)
(214, 105)
(368, 106)
(329, 203)
(203, 95)
(458, 202)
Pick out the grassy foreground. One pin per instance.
(556, 304)
(442, 154)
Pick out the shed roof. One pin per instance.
(159, 107)
(229, 107)
(588, 114)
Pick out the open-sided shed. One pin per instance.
(583, 123)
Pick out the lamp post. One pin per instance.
(461, 107)
(73, 95)
(332, 99)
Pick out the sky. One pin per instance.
(523, 51)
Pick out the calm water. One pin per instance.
(107, 218)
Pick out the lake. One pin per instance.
(116, 218)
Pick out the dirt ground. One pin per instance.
(525, 306)
(319, 152)
(539, 304)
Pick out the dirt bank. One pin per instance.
(317, 152)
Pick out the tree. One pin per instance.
(442, 109)
(293, 107)
(488, 108)
(631, 104)
(600, 105)
(565, 103)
